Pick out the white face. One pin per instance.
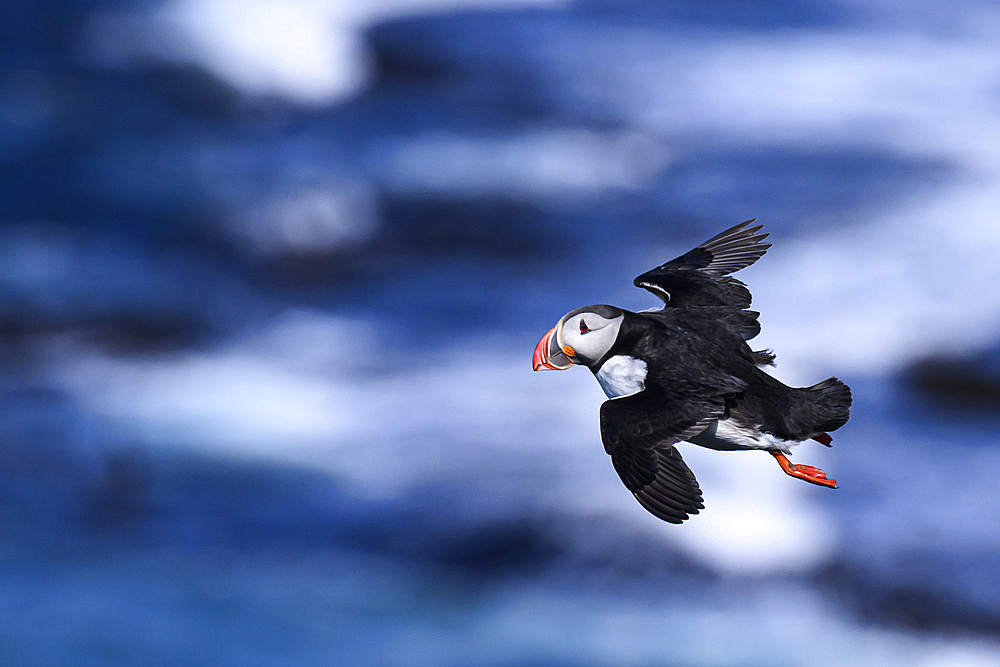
(585, 337)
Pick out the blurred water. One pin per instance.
(270, 274)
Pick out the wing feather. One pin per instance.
(639, 432)
(736, 248)
(700, 277)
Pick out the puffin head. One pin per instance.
(582, 336)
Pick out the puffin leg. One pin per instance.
(803, 472)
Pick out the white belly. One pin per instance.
(726, 435)
(622, 375)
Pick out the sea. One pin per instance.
(271, 274)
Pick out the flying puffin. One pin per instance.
(685, 372)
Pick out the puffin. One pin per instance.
(685, 372)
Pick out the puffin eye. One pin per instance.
(583, 327)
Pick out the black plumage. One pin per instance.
(698, 369)
(639, 432)
(699, 277)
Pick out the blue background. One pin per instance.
(271, 275)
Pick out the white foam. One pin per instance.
(552, 163)
(309, 219)
(757, 520)
(309, 51)
(825, 88)
(868, 299)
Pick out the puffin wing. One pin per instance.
(639, 432)
(699, 277)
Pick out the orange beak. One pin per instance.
(548, 356)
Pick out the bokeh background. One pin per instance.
(271, 274)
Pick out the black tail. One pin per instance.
(830, 404)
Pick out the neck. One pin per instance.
(631, 330)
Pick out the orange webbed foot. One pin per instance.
(810, 474)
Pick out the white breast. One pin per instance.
(622, 375)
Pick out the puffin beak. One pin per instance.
(547, 354)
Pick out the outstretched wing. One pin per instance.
(639, 432)
(700, 277)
